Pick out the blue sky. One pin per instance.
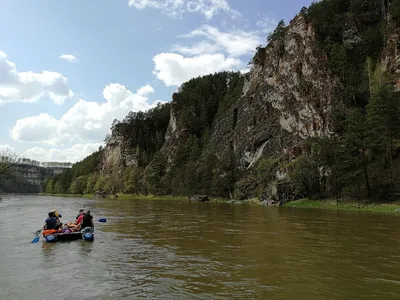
(68, 68)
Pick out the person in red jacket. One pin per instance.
(81, 211)
(80, 218)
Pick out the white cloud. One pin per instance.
(202, 47)
(235, 43)
(219, 51)
(40, 128)
(72, 154)
(176, 8)
(174, 69)
(85, 122)
(29, 86)
(68, 57)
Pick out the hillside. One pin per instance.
(318, 115)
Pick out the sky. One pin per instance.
(69, 68)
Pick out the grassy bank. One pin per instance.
(393, 207)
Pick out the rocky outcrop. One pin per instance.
(35, 175)
(174, 135)
(390, 60)
(350, 35)
(118, 154)
(287, 98)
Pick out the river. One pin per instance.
(181, 250)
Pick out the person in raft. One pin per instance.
(65, 229)
(87, 220)
(52, 222)
(57, 214)
(80, 217)
(81, 212)
(76, 226)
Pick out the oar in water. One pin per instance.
(37, 237)
(102, 220)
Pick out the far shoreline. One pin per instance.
(330, 204)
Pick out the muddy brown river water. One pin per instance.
(181, 250)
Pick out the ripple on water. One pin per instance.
(180, 250)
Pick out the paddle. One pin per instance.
(37, 237)
(102, 220)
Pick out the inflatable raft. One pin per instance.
(52, 236)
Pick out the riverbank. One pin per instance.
(133, 197)
(393, 207)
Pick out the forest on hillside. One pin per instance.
(361, 159)
(198, 103)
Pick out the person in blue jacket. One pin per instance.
(52, 222)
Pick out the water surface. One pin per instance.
(181, 250)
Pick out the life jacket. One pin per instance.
(51, 223)
(49, 231)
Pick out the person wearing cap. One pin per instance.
(81, 211)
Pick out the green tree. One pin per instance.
(278, 33)
(154, 174)
(49, 186)
(91, 183)
(79, 185)
(352, 154)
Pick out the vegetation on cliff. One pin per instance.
(197, 104)
(76, 180)
(360, 158)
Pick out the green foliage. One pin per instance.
(395, 10)
(154, 174)
(68, 179)
(246, 187)
(79, 185)
(144, 132)
(199, 100)
(304, 176)
(363, 21)
(278, 33)
(91, 182)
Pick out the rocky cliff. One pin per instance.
(287, 98)
(309, 70)
(27, 178)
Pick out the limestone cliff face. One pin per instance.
(33, 175)
(174, 135)
(117, 154)
(391, 58)
(287, 97)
